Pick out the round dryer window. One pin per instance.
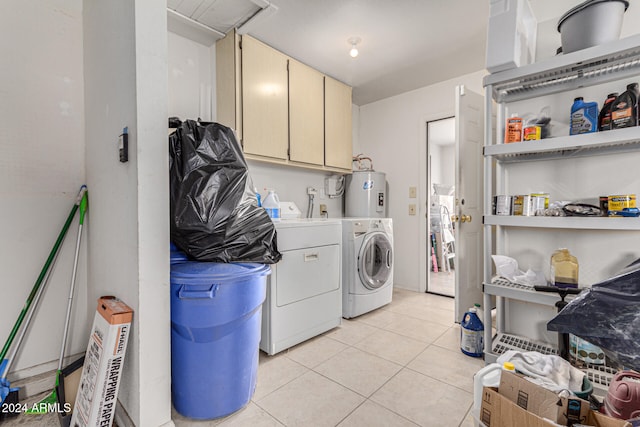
(375, 261)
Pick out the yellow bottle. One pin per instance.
(564, 269)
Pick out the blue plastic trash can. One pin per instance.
(177, 256)
(216, 314)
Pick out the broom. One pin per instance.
(43, 406)
(6, 391)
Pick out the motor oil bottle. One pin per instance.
(513, 129)
(604, 118)
(584, 116)
(471, 334)
(564, 269)
(271, 204)
(624, 111)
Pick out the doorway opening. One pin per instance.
(441, 176)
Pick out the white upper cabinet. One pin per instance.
(306, 114)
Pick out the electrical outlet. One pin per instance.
(412, 192)
(412, 209)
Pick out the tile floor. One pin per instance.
(397, 366)
(443, 283)
(400, 365)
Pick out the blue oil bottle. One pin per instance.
(584, 116)
(471, 334)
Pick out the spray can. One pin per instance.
(584, 116)
(271, 204)
(471, 334)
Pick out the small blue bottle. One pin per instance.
(471, 334)
(584, 116)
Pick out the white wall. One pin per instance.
(125, 48)
(393, 133)
(191, 79)
(42, 167)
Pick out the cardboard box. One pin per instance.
(97, 395)
(498, 411)
(540, 401)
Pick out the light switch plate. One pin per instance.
(412, 192)
(412, 209)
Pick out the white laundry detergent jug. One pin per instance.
(489, 376)
(271, 204)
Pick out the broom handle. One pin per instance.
(40, 280)
(83, 210)
(23, 332)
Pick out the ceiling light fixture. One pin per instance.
(353, 41)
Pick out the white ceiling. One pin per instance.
(406, 44)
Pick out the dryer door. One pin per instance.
(375, 260)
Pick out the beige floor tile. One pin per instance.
(181, 421)
(451, 367)
(315, 351)
(378, 318)
(361, 372)
(311, 400)
(425, 312)
(439, 301)
(351, 332)
(392, 346)
(252, 415)
(274, 372)
(370, 414)
(44, 420)
(468, 421)
(418, 329)
(450, 339)
(424, 400)
(400, 294)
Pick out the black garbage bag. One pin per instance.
(607, 315)
(214, 212)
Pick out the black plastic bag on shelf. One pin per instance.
(607, 315)
(214, 211)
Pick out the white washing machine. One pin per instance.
(367, 265)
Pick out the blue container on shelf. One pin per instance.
(471, 334)
(216, 315)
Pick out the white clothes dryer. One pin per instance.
(367, 281)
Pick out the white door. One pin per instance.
(469, 199)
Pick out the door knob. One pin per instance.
(454, 218)
(465, 218)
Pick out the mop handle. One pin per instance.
(39, 281)
(83, 210)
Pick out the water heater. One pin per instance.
(365, 195)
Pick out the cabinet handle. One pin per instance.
(311, 257)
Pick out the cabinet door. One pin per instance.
(265, 127)
(306, 114)
(337, 125)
